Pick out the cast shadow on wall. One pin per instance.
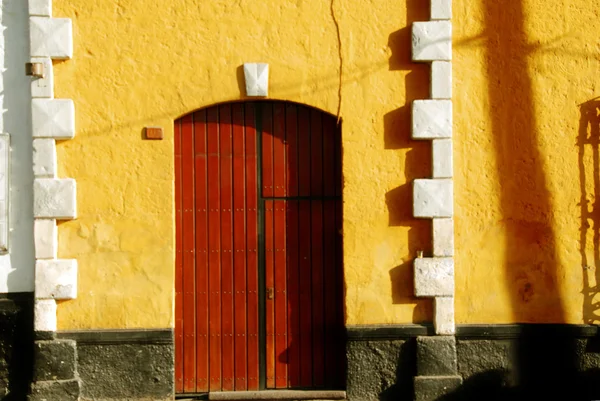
(547, 359)
(544, 361)
(589, 150)
(16, 307)
(417, 161)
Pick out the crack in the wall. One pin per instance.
(340, 56)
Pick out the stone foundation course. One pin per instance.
(492, 362)
(125, 364)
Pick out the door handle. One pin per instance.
(270, 293)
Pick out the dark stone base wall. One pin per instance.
(517, 362)
(16, 345)
(381, 369)
(504, 363)
(125, 365)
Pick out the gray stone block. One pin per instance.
(44, 335)
(476, 357)
(380, 370)
(55, 360)
(434, 277)
(126, 371)
(430, 388)
(63, 390)
(436, 356)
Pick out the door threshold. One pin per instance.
(278, 395)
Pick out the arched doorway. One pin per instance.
(259, 280)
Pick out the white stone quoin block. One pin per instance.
(441, 9)
(40, 8)
(53, 118)
(51, 37)
(443, 320)
(45, 235)
(441, 150)
(432, 41)
(43, 87)
(434, 277)
(441, 80)
(44, 158)
(443, 237)
(257, 79)
(44, 315)
(56, 279)
(433, 198)
(55, 198)
(431, 119)
(4, 190)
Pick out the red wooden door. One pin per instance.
(259, 300)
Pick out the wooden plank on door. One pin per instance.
(293, 314)
(239, 245)
(329, 138)
(178, 262)
(278, 137)
(291, 149)
(214, 245)
(305, 281)
(267, 149)
(201, 227)
(316, 153)
(280, 276)
(338, 181)
(252, 245)
(269, 299)
(330, 233)
(339, 289)
(189, 307)
(304, 163)
(225, 154)
(330, 320)
(217, 275)
(317, 292)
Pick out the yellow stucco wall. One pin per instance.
(521, 71)
(141, 63)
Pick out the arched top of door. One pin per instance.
(260, 101)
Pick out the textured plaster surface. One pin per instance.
(521, 72)
(123, 238)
